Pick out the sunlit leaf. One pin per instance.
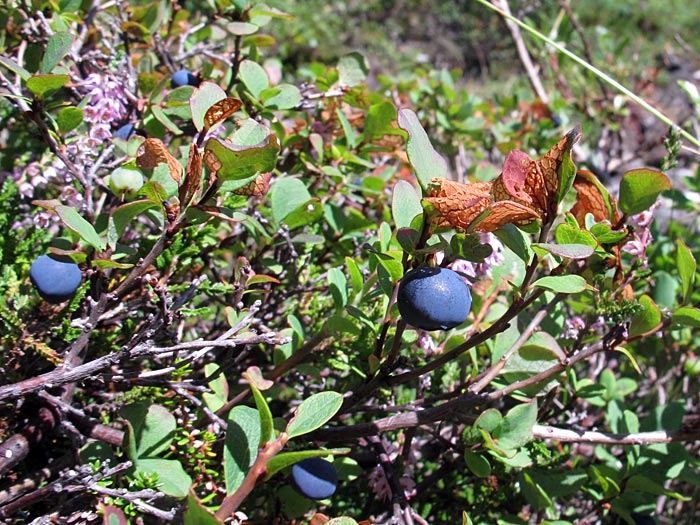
(426, 162)
(640, 188)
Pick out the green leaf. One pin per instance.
(644, 484)
(266, 424)
(241, 162)
(69, 118)
(646, 319)
(124, 214)
(286, 195)
(353, 69)
(243, 435)
(405, 204)
(562, 283)
(567, 251)
(686, 268)
(566, 234)
(665, 288)
(204, 97)
(380, 121)
(254, 76)
(516, 428)
(426, 162)
(41, 85)
(164, 119)
(687, 316)
(640, 188)
(604, 233)
(286, 459)
(174, 481)
(308, 212)
(534, 493)
(567, 170)
(242, 28)
(197, 513)
(516, 241)
(285, 96)
(477, 463)
(219, 387)
(338, 284)
(350, 135)
(72, 219)
(356, 279)
(15, 68)
(154, 428)
(313, 413)
(540, 353)
(56, 48)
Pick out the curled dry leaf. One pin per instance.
(526, 190)
(534, 183)
(593, 198)
(193, 176)
(469, 206)
(220, 111)
(152, 152)
(458, 204)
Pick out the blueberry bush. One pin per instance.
(246, 280)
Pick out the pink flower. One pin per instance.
(641, 238)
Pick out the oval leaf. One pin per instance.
(562, 283)
(56, 48)
(286, 195)
(405, 204)
(640, 188)
(568, 251)
(313, 413)
(647, 319)
(426, 162)
(203, 98)
(72, 219)
(241, 448)
(687, 316)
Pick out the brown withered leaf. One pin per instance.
(212, 162)
(257, 187)
(534, 183)
(459, 204)
(152, 152)
(591, 200)
(220, 111)
(193, 176)
(500, 213)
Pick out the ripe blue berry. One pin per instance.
(56, 281)
(434, 298)
(125, 131)
(183, 78)
(315, 478)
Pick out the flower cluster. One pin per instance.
(641, 236)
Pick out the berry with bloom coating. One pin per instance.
(315, 478)
(183, 78)
(434, 298)
(56, 281)
(125, 131)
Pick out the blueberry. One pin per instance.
(434, 298)
(56, 281)
(183, 78)
(125, 131)
(315, 478)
